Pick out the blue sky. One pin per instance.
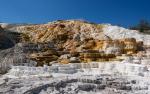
(119, 12)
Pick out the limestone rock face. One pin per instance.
(116, 32)
(61, 30)
(75, 35)
(113, 47)
(66, 35)
(45, 43)
(24, 52)
(109, 47)
(126, 46)
(130, 45)
(90, 56)
(44, 57)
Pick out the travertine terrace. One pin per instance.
(73, 57)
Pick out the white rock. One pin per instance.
(116, 32)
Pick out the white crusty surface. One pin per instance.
(116, 32)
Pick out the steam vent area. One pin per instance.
(73, 57)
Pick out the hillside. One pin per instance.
(85, 41)
(73, 57)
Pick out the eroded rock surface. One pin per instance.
(73, 57)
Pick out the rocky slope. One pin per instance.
(116, 32)
(85, 41)
(82, 57)
(7, 39)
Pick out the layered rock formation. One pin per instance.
(44, 57)
(84, 41)
(22, 53)
(116, 32)
(81, 57)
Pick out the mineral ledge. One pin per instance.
(73, 57)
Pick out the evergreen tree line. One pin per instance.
(143, 26)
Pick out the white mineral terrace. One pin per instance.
(93, 68)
